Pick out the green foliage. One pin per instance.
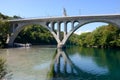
(16, 17)
(3, 16)
(73, 40)
(104, 36)
(35, 34)
(4, 31)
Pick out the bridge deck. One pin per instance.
(65, 18)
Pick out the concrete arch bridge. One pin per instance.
(60, 23)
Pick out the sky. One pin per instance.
(44, 8)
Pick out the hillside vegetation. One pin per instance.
(103, 36)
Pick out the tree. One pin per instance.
(35, 34)
(4, 31)
(16, 17)
(103, 36)
(3, 16)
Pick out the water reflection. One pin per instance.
(85, 64)
(74, 63)
(28, 63)
(64, 68)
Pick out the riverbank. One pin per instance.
(22, 45)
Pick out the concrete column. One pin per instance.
(58, 30)
(8, 38)
(12, 28)
(65, 29)
(60, 45)
(72, 25)
(52, 26)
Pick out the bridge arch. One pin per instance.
(80, 24)
(20, 27)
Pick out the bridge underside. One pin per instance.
(67, 25)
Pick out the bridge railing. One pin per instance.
(35, 17)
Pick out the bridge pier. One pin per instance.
(61, 46)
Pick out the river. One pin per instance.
(73, 63)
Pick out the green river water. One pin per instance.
(73, 63)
